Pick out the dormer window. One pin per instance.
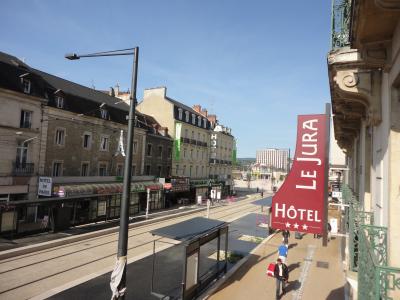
(193, 119)
(187, 116)
(59, 102)
(180, 113)
(199, 121)
(104, 113)
(26, 85)
(205, 123)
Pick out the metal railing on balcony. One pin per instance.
(368, 253)
(341, 13)
(376, 280)
(23, 169)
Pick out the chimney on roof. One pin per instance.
(212, 118)
(204, 112)
(163, 131)
(197, 108)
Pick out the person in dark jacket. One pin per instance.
(281, 274)
(286, 235)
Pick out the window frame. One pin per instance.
(56, 137)
(193, 119)
(104, 113)
(180, 113)
(59, 101)
(60, 169)
(26, 88)
(24, 120)
(107, 139)
(187, 117)
(87, 163)
(102, 163)
(151, 149)
(89, 134)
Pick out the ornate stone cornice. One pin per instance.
(362, 87)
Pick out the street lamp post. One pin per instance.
(118, 276)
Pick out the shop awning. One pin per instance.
(104, 188)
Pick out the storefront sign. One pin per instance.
(213, 145)
(299, 203)
(44, 187)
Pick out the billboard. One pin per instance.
(299, 203)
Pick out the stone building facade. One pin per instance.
(189, 129)
(364, 78)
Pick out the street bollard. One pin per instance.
(208, 208)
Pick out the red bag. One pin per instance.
(270, 270)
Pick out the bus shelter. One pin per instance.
(184, 270)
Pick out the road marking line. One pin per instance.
(304, 272)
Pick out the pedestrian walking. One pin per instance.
(283, 252)
(329, 229)
(286, 235)
(281, 273)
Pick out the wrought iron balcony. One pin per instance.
(23, 169)
(341, 12)
(368, 253)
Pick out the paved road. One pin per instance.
(33, 274)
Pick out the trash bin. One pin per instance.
(298, 235)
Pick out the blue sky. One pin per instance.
(256, 64)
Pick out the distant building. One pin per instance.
(277, 159)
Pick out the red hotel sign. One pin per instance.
(299, 203)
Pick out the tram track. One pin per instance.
(213, 212)
(72, 260)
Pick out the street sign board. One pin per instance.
(44, 187)
(299, 203)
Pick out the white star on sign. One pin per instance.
(305, 227)
(287, 225)
(296, 225)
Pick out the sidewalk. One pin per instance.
(315, 272)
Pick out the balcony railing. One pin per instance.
(23, 169)
(341, 12)
(368, 253)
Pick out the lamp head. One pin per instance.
(72, 56)
(102, 105)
